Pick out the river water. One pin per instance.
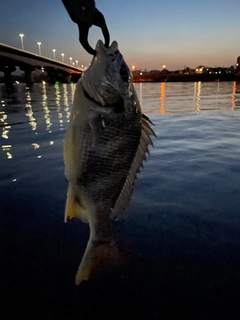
(180, 234)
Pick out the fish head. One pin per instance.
(108, 79)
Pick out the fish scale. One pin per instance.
(108, 162)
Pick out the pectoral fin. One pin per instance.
(96, 126)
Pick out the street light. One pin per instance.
(39, 48)
(62, 54)
(54, 54)
(76, 63)
(21, 35)
(70, 60)
(73, 64)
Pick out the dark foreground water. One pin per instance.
(180, 236)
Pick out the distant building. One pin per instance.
(217, 70)
(230, 70)
(155, 71)
(165, 71)
(200, 69)
(136, 72)
(187, 70)
(238, 65)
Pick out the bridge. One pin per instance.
(11, 57)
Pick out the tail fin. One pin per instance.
(98, 255)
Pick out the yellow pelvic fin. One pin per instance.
(73, 209)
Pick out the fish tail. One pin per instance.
(98, 255)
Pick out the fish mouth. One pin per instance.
(108, 78)
(113, 54)
(110, 52)
(118, 76)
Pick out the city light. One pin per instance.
(133, 67)
(21, 35)
(39, 48)
(76, 63)
(70, 60)
(54, 54)
(62, 54)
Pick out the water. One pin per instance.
(180, 234)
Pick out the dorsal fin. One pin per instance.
(140, 156)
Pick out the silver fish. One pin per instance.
(104, 147)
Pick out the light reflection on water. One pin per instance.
(188, 98)
(43, 106)
(48, 107)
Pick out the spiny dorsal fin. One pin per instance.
(140, 156)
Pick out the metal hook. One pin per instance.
(85, 14)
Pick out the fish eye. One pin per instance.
(124, 73)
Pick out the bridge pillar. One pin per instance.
(8, 78)
(68, 78)
(29, 78)
(57, 75)
(75, 77)
(52, 75)
(28, 70)
(28, 75)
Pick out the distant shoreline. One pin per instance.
(170, 77)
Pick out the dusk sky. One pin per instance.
(150, 33)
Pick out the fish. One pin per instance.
(106, 142)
